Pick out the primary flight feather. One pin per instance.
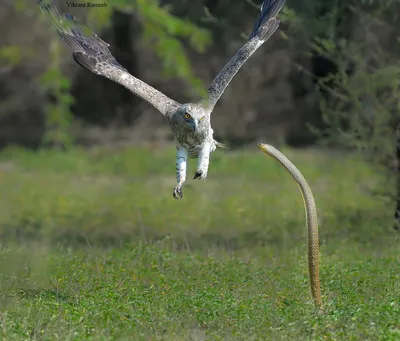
(190, 122)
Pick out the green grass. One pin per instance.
(95, 248)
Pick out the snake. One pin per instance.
(311, 218)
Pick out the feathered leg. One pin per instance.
(204, 160)
(181, 160)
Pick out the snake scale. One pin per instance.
(311, 217)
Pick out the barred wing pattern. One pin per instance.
(263, 29)
(92, 53)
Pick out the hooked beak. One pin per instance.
(195, 125)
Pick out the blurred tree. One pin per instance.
(164, 32)
(10, 56)
(362, 109)
(311, 26)
(58, 110)
(132, 28)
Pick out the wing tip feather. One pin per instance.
(267, 23)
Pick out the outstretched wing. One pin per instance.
(263, 29)
(92, 53)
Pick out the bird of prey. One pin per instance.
(190, 122)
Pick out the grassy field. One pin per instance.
(94, 247)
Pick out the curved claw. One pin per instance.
(198, 175)
(177, 193)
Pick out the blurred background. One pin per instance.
(329, 58)
(94, 247)
(328, 79)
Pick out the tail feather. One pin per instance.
(88, 48)
(267, 23)
(221, 145)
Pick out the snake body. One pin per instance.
(311, 216)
